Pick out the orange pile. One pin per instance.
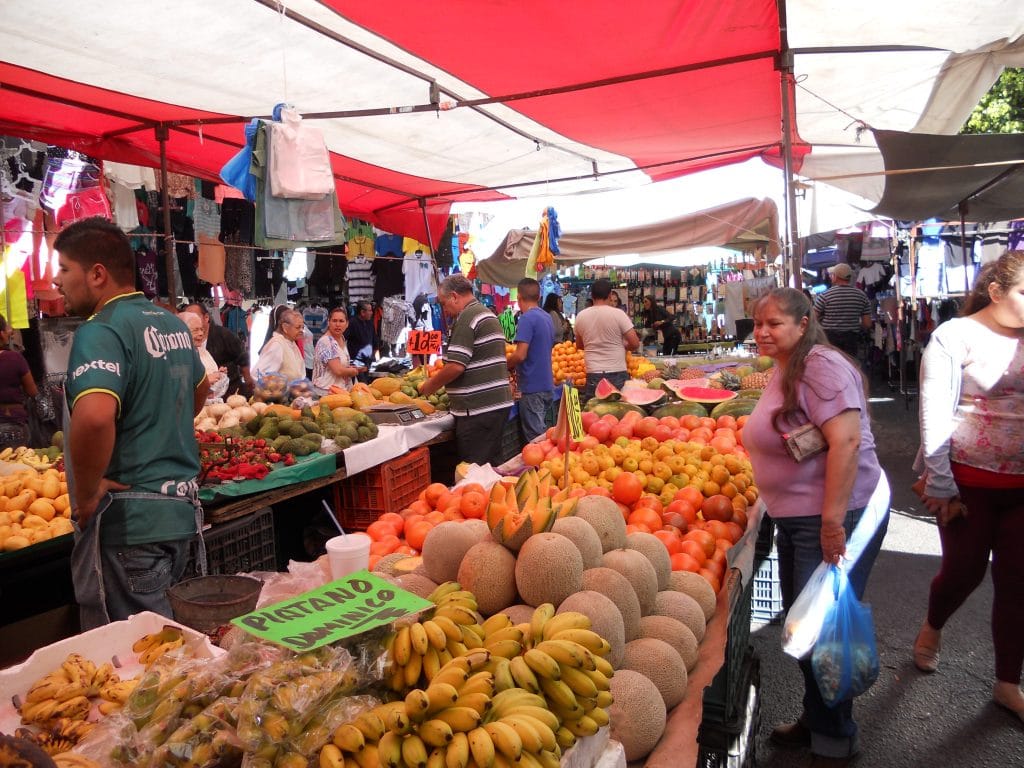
(567, 364)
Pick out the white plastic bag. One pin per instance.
(300, 165)
(803, 622)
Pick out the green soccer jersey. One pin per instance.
(144, 357)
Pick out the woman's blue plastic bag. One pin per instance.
(845, 658)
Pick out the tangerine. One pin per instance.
(627, 489)
(683, 562)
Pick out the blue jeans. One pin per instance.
(618, 378)
(136, 578)
(533, 410)
(833, 731)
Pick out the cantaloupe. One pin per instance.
(416, 583)
(606, 518)
(488, 570)
(640, 573)
(682, 607)
(445, 546)
(697, 587)
(520, 613)
(675, 633)
(657, 661)
(583, 535)
(386, 563)
(548, 569)
(605, 619)
(651, 547)
(616, 588)
(637, 714)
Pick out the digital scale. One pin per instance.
(389, 413)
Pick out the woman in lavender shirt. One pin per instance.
(816, 503)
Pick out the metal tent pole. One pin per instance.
(962, 209)
(170, 258)
(787, 84)
(7, 285)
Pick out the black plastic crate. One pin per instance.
(511, 440)
(765, 540)
(733, 744)
(766, 600)
(239, 546)
(727, 689)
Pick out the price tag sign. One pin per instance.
(424, 343)
(349, 606)
(571, 398)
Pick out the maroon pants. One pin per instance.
(994, 524)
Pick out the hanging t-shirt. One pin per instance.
(411, 245)
(360, 239)
(315, 319)
(360, 279)
(387, 244)
(418, 269)
(388, 276)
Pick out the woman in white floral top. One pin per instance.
(972, 459)
(331, 364)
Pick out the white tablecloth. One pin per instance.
(393, 441)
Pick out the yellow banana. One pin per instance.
(389, 750)
(440, 696)
(436, 636)
(104, 673)
(456, 648)
(507, 648)
(331, 757)
(418, 638)
(479, 682)
(431, 663)
(435, 733)
(74, 709)
(367, 757)
(548, 759)
(436, 758)
(604, 699)
(588, 638)
(511, 632)
(417, 702)
(523, 675)
(505, 739)
(604, 666)
(584, 726)
(542, 614)
(460, 614)
(459, 597)
(414, 752)
(457, 754)
(565, 652)
(107, 707)
(481, 747)
(398, 721)
(563, 621)
(450, 628)
(565, 737)
(543, 665)
(496, 623)
(470, 639)
(544, 732)
(599, 716)
(443, 657)
(503, 679)
(348, 738)
(529, 739)
(477, 660)
(459, 718)
(166, 634)
(452, 673)
(579, 681)
(481, 702)
(371, 726)
(540, 714)
(401, 648)
(411, 671)
(443, 590)
(515, 697)
(50, 687)
(39, 711)
(558, 693)
(598, 678)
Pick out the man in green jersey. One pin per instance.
(134, 383)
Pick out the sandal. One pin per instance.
(926, 648)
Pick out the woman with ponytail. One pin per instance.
(972, 465)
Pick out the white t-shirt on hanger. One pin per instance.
(418, 269)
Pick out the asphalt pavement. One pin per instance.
(908, 718)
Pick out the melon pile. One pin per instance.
(526, 556)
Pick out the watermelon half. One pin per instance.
(605, 390)
(673, 386)
(642, 396)
(705, 395)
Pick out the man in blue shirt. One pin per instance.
(535, 336)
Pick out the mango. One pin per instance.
(42, 508)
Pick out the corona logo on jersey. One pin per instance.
(159, 344)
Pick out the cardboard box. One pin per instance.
(112, 643)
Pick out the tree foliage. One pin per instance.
(1001, 110)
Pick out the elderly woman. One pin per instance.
(281, 353)
(218, 377)
(331, 365)
(818, 501)
(16, 383)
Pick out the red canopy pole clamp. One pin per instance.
(162, 133)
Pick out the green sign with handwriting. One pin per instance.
(349, 606)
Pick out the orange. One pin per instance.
(694, 550)
(683, 562)
(728, 421)
(716, 507)
(627, 488)
(705, 538)
(379, 529)
(473, 505)
(396, 520)
(646, 517)
(437, 516)
(710, 578)
(690, 495)
(416, 533)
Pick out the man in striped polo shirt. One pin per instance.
(843, 310)
(474, 372)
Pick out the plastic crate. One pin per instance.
(385, 488)
(727, 689)
(766, 599)
(734, 744)
(511, 440)
(240, 546)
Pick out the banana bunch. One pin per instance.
(65, 692)
(27, 456)
(58, 737)
(207, 738)
(152, 646)
(73, 760)
(419, 650)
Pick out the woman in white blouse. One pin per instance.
(281, 354)
(218, 377)
(331, 364)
